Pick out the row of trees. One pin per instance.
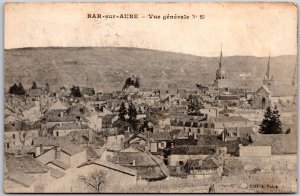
(131, 82)
(131, 112)
(17, 89)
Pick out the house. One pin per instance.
(148, 167)
(18, 135)
(119, 177)
(210, 166)
(66, 128)
(59, 152)
(231, 121)
(160, 141)
(180, 154)
(25, 174)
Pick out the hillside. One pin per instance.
(107, 68)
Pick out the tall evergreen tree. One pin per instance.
(122, 111)
(132, 113)
(137, 83)
(13, 89)
(271, 123)
(47, 88)
(34, 85)
(75, 91)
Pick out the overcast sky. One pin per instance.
(242, 28)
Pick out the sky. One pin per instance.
(254, 29)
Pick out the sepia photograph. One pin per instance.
(150, 97)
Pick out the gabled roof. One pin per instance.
(283, 90)
(161, 136)
(23, 179)
(58, 105)
(193, 150)
(59, 164)
(112, 166)
(25, 164)
(231, 119)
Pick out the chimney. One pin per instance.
(57, 152)
(237, 133)
(61, 114)
(224, 135)
(177, 169)
(133, 163)
(195, 136)
(41, 149)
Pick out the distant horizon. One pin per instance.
(140, 48)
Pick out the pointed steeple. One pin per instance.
(295, 75)
(220, 61)
(268, 68)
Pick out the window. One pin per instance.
(14, 136)
(180, 162)
(57, 134)
(162, 145)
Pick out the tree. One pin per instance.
(20, 90)
(271, 123)
(95, 180)
(34, 86)
(13, 89)
(194, 105)
(137, 83)
(24, 133)
(128, 83)
(132, 113)
(75, 91)
(122, 111)
(47, 88)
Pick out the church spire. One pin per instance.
(220, 61)
(295, 75)
(268, 69)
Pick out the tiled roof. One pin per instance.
(161, 136)
(25, 164)
(283, 90)
(23, 179)
(280, 143)
(66, 145)
(59, 164)
(231, 119)
(194, 150)
(56, 173)
(67, 126)
(114, 166)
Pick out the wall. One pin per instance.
(255, 151)
(78, 159)
(174, 159)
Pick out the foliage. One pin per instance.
(271, 123)
(131, 82)
(17, 89)
(194, 105)
(75, 91)
(132, 114)
(34, 85)
(23, 132)
(95, 180)
(122, 112)
(47, 88)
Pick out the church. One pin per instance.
(223, 82)
(271, 93)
